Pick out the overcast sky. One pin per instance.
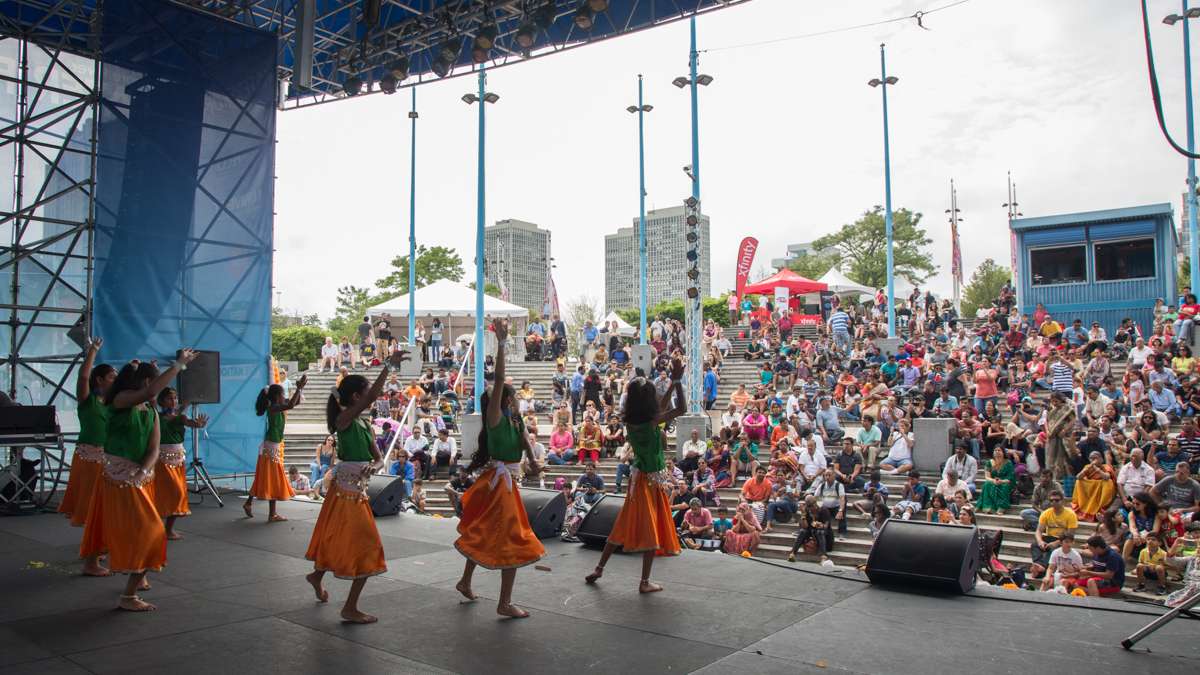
(790, 136)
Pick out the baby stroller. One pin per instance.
(533, 348)
(991, 569)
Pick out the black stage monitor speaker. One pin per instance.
(546, 510)
(911, 553)
(598, 522)
(201, 382)
(384, 494)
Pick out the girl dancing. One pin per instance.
(87, 463)
(122, 520)
(645, 523)
(270, 478)
(493, 528)
(170, 474)
(345, 540)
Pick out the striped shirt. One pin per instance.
(1062, 377)
(839, 322)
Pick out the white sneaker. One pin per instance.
(827, 563)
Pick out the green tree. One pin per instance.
(297, 343)
(281, 320)
(352, 304)
(984, 286)
(488, 288)
(813, 265)
(578, 311)
(862, 246)
(716, 309)
(433, 264)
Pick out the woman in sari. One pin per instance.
(1095, 488)
(745, 534)
(999, 474)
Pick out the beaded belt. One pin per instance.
(89, 453)
(660, 478)
(271, 451)
(123, 471)
(352, 479)
(172, 454)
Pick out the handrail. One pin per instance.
(458, 381)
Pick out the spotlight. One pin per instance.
(691, 220)
(691, 202)
(693, 274)
(387, 83)
(892, 79)
(486, 37)
(632, 108)
(692, 256)
(449, 50)
(491, 98)
(1193, 13)
(1170, 19)
(544, 17)
(352, 85)
(469, 98)
(875, 82)
(441, 68)
(692, 237)
(479, 54)
(399, 68)
(526, 35)
(583, 17)
(704, 80)
(598, 5)
(693, 293)
(681, 82)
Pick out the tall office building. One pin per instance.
(517, 253)
(666, 264)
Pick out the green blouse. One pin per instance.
(646, 440)
(355, 441)
(93, 421)
(129, 432)
(504, 440)
(170, 432)
(274, 427)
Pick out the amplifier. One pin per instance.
(28, 421)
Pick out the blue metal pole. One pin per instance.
(1193, 238)
(479, 223)
(887, 189)
(695, 117)
(695, 373)
(642, 279)
(412, 226)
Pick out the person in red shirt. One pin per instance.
(1188, 313)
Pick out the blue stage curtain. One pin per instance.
(184, 203)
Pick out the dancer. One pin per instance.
(270, 479)
(345, 540)
(645, 524)
(493, 528)
(170, 474)
(87, 462)
(122, 520)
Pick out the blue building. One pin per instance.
(1098, 265)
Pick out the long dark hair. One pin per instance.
(98, 373)
(641, 401)
(351, 385)
(267, 394)
(130, 378)
(482, 454)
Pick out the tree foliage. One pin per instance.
(433, 264)
(281, 320)
(579, 310)
(488, 288)
(352, 304)
(813, 265)
(297, 343)
(861, 247)
(716, 309)
(984, 286)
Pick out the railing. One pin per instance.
(458, 381)
(405, 419)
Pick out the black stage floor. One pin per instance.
(233, 599)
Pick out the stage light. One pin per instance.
(875, 82)
(598, 6)
(479, 55)
(892, 79)
(526, 35)
(469, 98)
(681, 82)
(485, 39)
(691, 202)
(387, 83)
(399, 68)
(632, 108)
(544, 17)
(1193, 13)
(692, 237)
(352, 85)
(704, 80)
(583, 17)
(1170, 19)
(693, 293)
(491, 98)
(693, 274)
(449, 50)
(692, 220)
(692, 256)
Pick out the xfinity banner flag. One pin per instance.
(744, 260)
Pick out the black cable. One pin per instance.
(1155, 94)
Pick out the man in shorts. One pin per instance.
(1106, 573)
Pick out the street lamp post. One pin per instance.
(883, 83)
(484, 96)
(1193, 239)
(412, 225)
(641, 109)
(693, 314)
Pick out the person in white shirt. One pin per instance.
(793, 401)
(329, 354)
(417, 447)
(693, 452)
(812, 459)
(445, 451)
(1139, 353)
(1136, 476)
(964, 465)
(899, 458)
(1065, 563)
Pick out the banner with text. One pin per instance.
(744, 260)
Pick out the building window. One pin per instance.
(1121, 260)
(1065, 265)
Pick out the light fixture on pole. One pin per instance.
(585, 17)
(1193, 230)
(482, 98)
(883, 82)
(641, 109)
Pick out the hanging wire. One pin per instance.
(917, 16)
(1155, 94)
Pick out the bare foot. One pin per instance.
(145, 585)
(357, 617)
(466, 591)
(132, 603)
(591, 578)
(246, 508)
(649, 587)
(96, 570)
(276, 519)
(511, 611)
(315, 579)
(174, 536)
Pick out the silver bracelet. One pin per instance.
(180, 366)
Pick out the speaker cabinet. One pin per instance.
(598, 522)
(384, 494)
(929, 555)
(546, 510)
(201, 382)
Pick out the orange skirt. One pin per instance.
(87, 463)
(270, 478)
(494, 530)
(170, 483)
(645, 522)
(123, 522)
(345, 540)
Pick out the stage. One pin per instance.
(233, 599)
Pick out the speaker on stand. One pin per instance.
(934, 556)
(385, 494)
(546, 510)
(599, 521)
(201, 383)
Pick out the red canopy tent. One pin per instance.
(795, 284)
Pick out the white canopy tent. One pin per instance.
(453, 304)
(841, 284)
(623, 327)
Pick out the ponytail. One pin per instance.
(332, 409)
(482, 455)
